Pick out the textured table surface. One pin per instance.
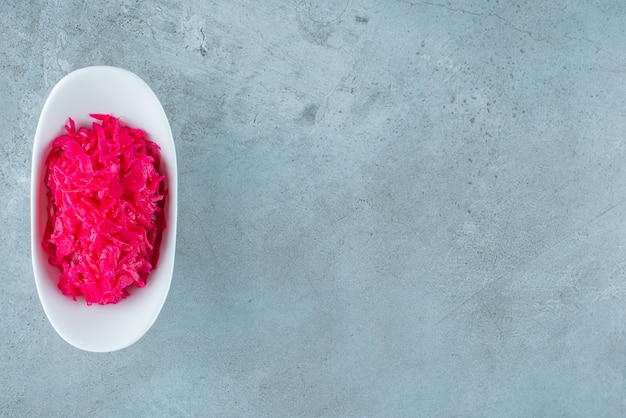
(386, 208)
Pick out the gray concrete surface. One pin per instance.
(387, 208)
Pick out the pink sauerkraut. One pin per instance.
(105, 209)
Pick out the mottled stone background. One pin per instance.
(386, 208)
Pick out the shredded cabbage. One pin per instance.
(105, 209)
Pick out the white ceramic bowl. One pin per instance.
(118, 92)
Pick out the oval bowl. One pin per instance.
(111, 90)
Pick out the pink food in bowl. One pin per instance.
(105, 196)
